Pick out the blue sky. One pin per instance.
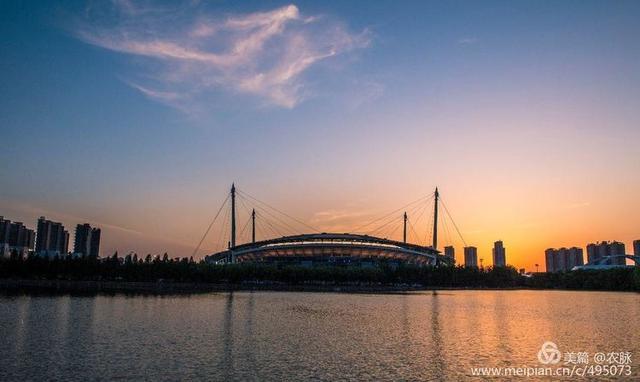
(138, 115)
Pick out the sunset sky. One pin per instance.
(138, 116)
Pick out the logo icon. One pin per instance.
(549, 353)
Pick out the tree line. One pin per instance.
(153, 269)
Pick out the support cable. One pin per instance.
(283, 223)
(448, 238)
(210, 225)
(248, 211)
(391, 220)
(413, 229)
(453, 221)
(393, 212)
(280, 212)
(280, 227)
(261, 232)
(275, 231)
(220, 244)
(429, 234)
(390, 237)
(245, 227)
(420, 214)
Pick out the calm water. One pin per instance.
(294, 336)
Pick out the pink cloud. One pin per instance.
(264, 54)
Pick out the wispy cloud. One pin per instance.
(36, 210)
(339, 220)
(113, 230)
(467, 41)
(577, 205)
(188, 53)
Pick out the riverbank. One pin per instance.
(160, 287)
(13, 286)
(160, 276)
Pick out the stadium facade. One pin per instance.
(329, 248)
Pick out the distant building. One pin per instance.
(470, 257)
(51, 238)
(563, 259)
(636, 247)
(82, 239)
(15, 237)
(5, 227)
(450, 252)
(603, 250)
(499, 254)
(548, 260)
(615, 249)
(560, 259)
(592, 253)
(576, 257)
(87, 241)
(94, 247)
(21, 236)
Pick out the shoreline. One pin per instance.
(170, 287)
(186, 288)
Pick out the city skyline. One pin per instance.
(526, 124)
(87, 243)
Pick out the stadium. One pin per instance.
(310, 249)
(330, 249)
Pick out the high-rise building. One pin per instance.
(21, 236)
(15, 237)
(576, 258)
(636, 247)
(87, 240)
(51, 238)
(499, 254)
(470, 257)
(5, 227)
(560, 259)
(563, 259)
(603, 250)
(549, 255)
(450, 252)
(592, 253)
(94, 247)
(615, 249)
(82, 239)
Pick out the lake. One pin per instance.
(299, 336)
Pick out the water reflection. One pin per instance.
(298, 336)
(436, 335)
(18, 337)
(226, 362)
(249, 339)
